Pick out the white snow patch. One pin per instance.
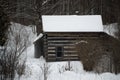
(109, 76)
(111, 29)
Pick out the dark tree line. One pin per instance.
(29, 11)
(4, 22)
(109, 9)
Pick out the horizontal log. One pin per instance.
(63, 41)
(69, 38)
(67, 58)
(70, 58)
(65, 49)
(65, 55)
(53, 55)
(49, 59)
(65, 52)
(71, 55)
(74, 33)
(51, 48)
(60, 35)
(57, 38)
(52, 45)
(69, 47)
(62, 60)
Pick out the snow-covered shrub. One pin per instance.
(46, 71)
(66, 67)
(99, 54)
(21, 68)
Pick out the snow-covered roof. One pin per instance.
(38, 37)
(72, 23)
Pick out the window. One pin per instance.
(59, 51)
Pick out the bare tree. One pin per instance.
(11, 54)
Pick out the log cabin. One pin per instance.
(78, 38)
(62, 35)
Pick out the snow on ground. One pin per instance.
(33, 69)
(58, 70)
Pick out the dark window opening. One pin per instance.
(59, 51)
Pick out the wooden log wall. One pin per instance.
(67, 41)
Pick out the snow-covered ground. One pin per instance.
(38, 68)
(35, 69)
